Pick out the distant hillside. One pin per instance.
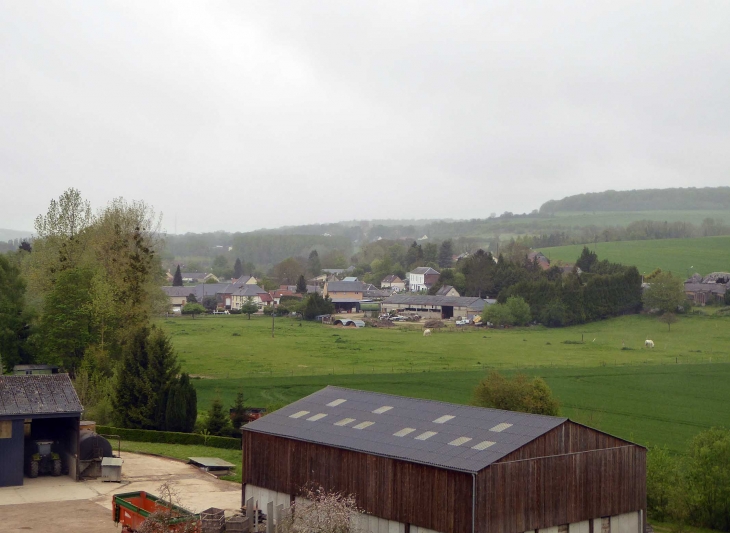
(707, 198)
(679, 256)
(6, 234)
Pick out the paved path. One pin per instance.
(91, 500)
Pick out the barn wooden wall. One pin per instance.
(528, 494)
(411, 493)
(568, 437)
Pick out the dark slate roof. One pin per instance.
(345, 286)
(424, 270)
(470, 302)
(444, 290)
(506, 430)
(249, 290)
(38, 395)
(178, 291)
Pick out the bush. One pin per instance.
(516, 394)
(171, 437)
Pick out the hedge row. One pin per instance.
(171, 437)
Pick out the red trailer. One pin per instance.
(132, 508)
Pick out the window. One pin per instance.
(6, 429)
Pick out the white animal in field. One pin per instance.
(426, 332)
(648, 343)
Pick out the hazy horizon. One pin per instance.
(235, 117)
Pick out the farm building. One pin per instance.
(37, 408)
(417, 466)
(434, 306)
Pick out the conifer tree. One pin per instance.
(177, 280)
(237, 268)
(131, 400)
(239, 417)
(446, 252)
(313, 264)
(301, 285)
(217, 419)
(181, 410)
(162, 374)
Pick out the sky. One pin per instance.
(241, 115)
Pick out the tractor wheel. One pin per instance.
(56, 468)
(33, 469)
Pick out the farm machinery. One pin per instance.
(41, 459)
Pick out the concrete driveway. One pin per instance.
(90, 501)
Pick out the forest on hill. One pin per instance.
(683, 199)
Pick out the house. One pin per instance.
(38, 407)
(346, 305)
(421, 278)
(241, 295)
(542, 261)
(177, 296)
(34, 370)
(422, 466)
(447, 290)
(278, 293)
(198, 277)
(352, 290)
(245, 280)
(393, 282)
(427, 306)
(708, 289)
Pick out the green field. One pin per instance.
(660, 396)
(680, 256)
(235, 347)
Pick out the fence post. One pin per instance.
(249, 509)
(270, 517)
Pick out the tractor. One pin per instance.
(40, 459)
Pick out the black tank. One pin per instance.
(93, 446)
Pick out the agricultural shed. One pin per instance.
(434, 306)
(37, 407)
(418, 466)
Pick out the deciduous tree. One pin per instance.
(516, 394)
(665, 293)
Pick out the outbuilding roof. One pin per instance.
(445, 435)
(470, 302)
(38, 395)
(424, 270)
(345, 286)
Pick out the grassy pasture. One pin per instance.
(234, 347)
(707, 254)
(650, 404)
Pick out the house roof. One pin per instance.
(242, 280)
(178, 291)
(345, 286)
(443, 291)
(249, 290)
(445, 435)
(424, 270)
(392, 279)
(37, 394)
(715, 288)
(345, 301)
(195, 275)
(470, 302)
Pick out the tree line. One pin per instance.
(82, 298)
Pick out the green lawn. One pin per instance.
(650, 404)
(680, 256)
(235, 347)
(183, 451)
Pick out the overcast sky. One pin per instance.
(240, 115)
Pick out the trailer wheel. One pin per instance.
(56, 468)
(33, 469)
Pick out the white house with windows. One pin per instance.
(421, 278)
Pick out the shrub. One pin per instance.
(516, 394)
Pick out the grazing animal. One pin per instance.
(648, 343)
(426, 332)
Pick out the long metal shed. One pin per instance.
(416, 465)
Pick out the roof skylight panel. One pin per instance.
(381, 410)
(460, 441)
(344, 421)
(443, 419)
(500, 427)
(483, 445)
(403, 432)
(363, 425)
(299, 414)
(318, 416)
(426, 435)
(335, 403)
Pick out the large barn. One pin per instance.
(417, 466)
